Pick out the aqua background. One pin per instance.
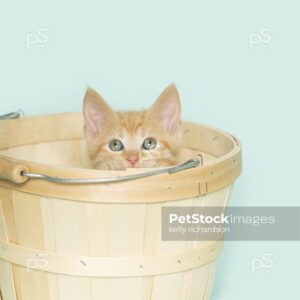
(130, 50)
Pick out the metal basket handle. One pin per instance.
(191, 163)
(19, 173)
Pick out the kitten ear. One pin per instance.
(166, 108)
(96, 112)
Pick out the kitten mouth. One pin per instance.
(133, 166)
(141, 165)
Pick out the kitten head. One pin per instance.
(141, 139)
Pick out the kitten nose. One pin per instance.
(133, 158)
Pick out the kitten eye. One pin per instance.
(149, 143)
(116, 145)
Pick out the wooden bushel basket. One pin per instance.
(102, 241)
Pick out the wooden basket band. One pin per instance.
(86, 266)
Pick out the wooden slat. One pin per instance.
(199, 282)
(97, 224)
(9, 218)
(127, 222)
(70, 223)
(50, 243)
(210, 281)
(152, 238)
(169, 286)
(29, 227)
(7, 286)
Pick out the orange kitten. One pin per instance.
(133, 139)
